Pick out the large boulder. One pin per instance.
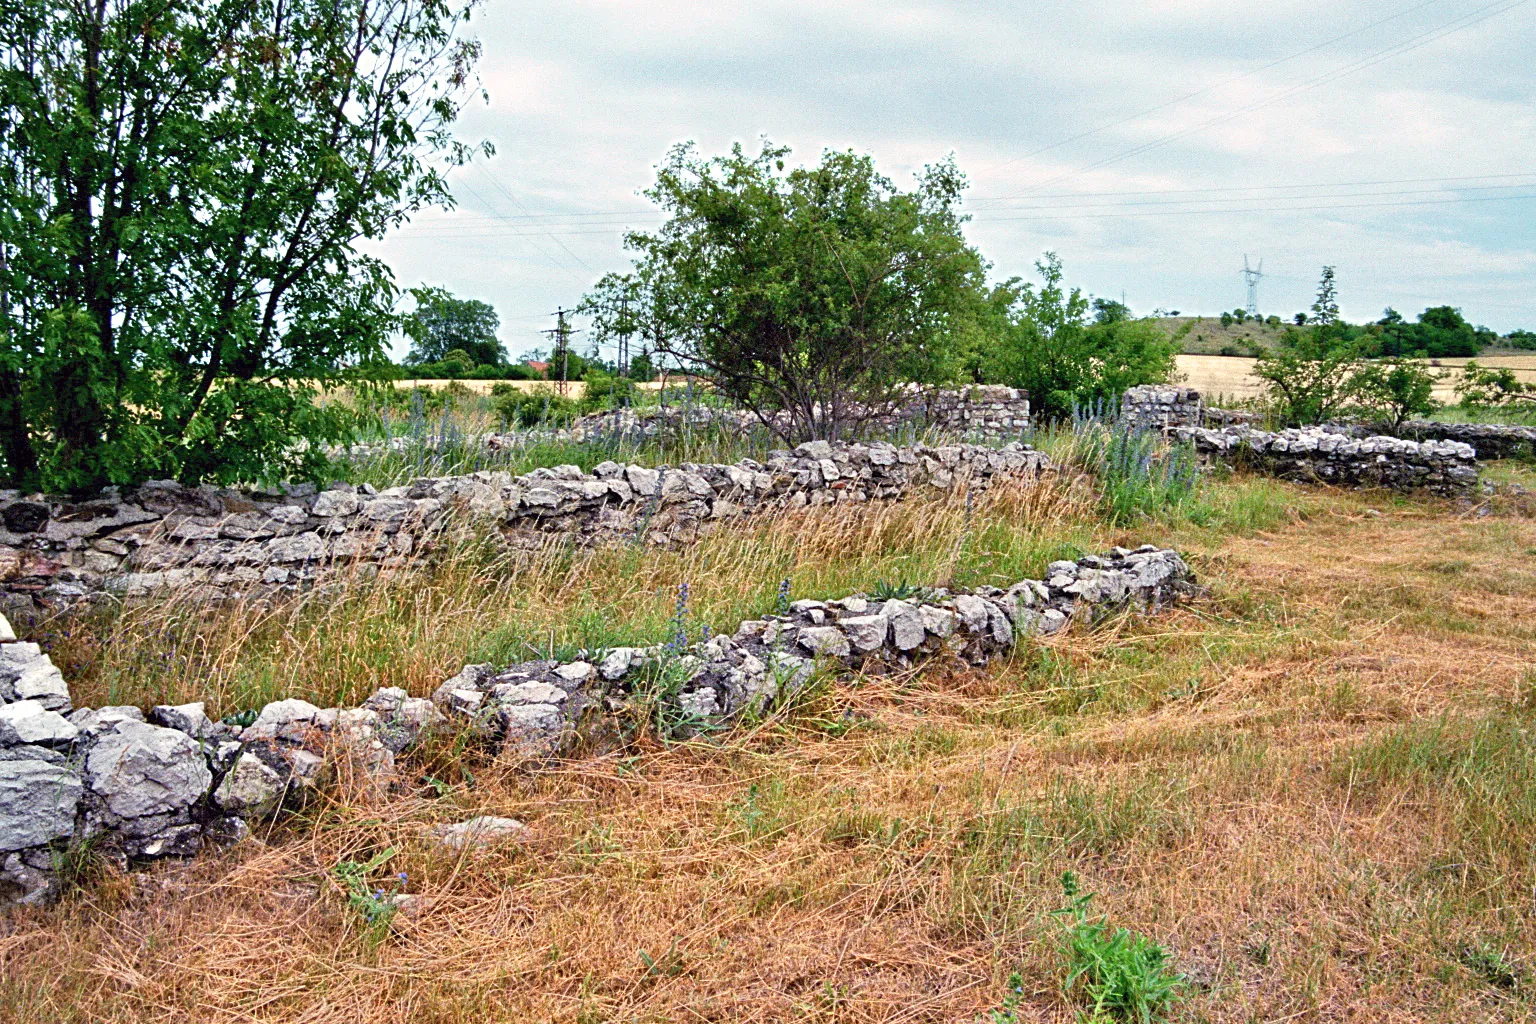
(140, 770)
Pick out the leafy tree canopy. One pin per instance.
(821, 292)
(182, 187)
(1041, 341)
(1108, 311)
(442, 323)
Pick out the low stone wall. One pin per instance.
(1315, 455)
(223, 543)
(1490, 440)
(1161, 406)
(141, 786)
(981, 412)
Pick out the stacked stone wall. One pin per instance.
(1161, 407)
(139, 786)
(981, 412)
(1316, 455)
(1490, 440)
(224, 543)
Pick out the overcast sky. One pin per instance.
(1150, 144)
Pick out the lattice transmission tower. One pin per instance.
(1251, 277)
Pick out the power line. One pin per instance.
(516, 229)
(452, 228)
(1257, 188)
(1070, 210)
(504, 191)
(1275, 209)
(1229, 81)
(1386, 53)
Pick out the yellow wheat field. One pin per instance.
(1232, 376)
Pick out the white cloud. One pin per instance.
(586, 97)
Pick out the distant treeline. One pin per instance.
(1438, 332)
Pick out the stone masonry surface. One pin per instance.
(141, 785)
(1318, 455)
(225, 543)
(1161, 406)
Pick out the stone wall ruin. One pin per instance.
(141, 785)
(223, 543)
(1315, 455)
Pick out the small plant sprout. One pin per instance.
(375, 905)
(1121, 975)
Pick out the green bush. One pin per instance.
(1493, 388)
(1120, 974)
(1394, 389)
(539, 407)
(1046, 346)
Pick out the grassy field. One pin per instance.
(1205, 335)
(1315, 788)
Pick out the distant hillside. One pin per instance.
(1204, 335)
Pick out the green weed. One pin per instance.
(375, 906)
(1119, 974)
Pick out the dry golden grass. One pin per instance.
(1315, 787)
(1232, 376)
(410, 629)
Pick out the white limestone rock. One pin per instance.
(825, 640)
(481, 831)
(252, 789)
(866, 632)
(141, 770)
(27, 721)
(39, 793)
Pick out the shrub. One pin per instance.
(1307, 377)
(1048, 348)
(540, 406)
(1493, 388)
(1395, 389)
(1120, 974)
(607, 390)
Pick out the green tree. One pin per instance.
(1108, 311)
(443, 322)
(1307, 376)
(182, 187)
(819, 292)
(1325, 308)
(1044, 345)
(1394, 389)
